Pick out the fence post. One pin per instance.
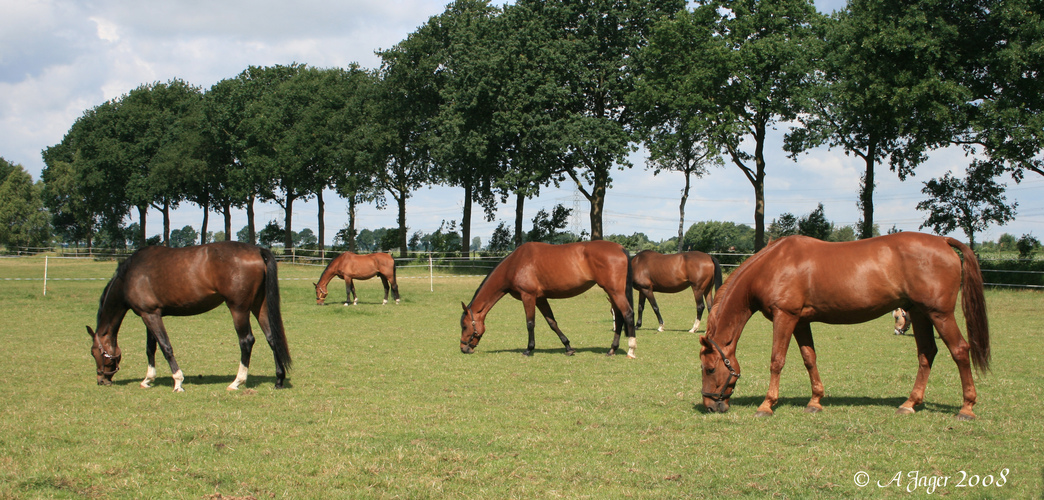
(45, 275)
(431, 274)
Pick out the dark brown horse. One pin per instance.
(349, 266)
(159, 281)
(798, 280)
(535, 272)
(672, 273)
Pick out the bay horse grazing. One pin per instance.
(902, 321)
(672, 273)
(159, 281)
(798, 280)
(349, 266)
(535, 272)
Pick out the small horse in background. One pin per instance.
(902, 321)
(656, 272)
(349, 266)
(158, 281)
(535, 272)
(798, 280)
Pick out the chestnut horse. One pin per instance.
(349, 266)
(159, 281)
(656, 272)
(535, 272)
(798, 280)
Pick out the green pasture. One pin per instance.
(382, 403)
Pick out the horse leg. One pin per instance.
(701, 302)
(150, 353)
(154, 322)
(624, 318)
(950, 334)
(545, 309)
(656, 309)
(924, 335)
(641, 309)
(261, 313)
(349, 288)
(529, 304)
(241, 322)
(384, 281)
(782, 329)
(803, 336)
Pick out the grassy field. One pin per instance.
(382, 404)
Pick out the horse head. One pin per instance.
(320, 294)
(106, 356)
(902, 321)
(720, 373)
(471, 330)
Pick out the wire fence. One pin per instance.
(997, 272)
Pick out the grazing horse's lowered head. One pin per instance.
(471, 330)
(902, 321)
(320, 293)
(106, 354)
(720, 373)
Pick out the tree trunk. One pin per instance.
(520, 203)
(351, 224)
(866, 197)
(142, 239)
(465, 223)
(227, 211)
(597, 200)
(681, 213)
(288, 219)
(759, 186)
(251, 234)
(206, 220)
(401, 201)
(322, 225)
(166, 223)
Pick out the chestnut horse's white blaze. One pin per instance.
(796, 281)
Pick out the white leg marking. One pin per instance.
(150, 377)
(396, 301)
(632, 342)
(178, 378)
(660, 329)
(695, 326)
(385, 302)
(240, 378)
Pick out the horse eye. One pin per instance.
(710, 371)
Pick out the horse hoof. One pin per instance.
(231, 388)
(179, 389)
(527, 354)
(144, 385)
(660, 329)
(905, 410)
(631, 356)
(612, 352)
(813, 409)
(763, 414)
(964, 417)
(570, 352)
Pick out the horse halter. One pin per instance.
(106, 356)
(472, 337)
(720, 395)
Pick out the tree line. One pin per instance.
(501, 101)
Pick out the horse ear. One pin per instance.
(704, 343)
(90, 332)
(464, 306)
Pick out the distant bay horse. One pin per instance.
(902, 321)
(536, 272)
(349, 267)
(672, 273)
(798, 280)
(158, 281)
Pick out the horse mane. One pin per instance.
(119, 274)
(327, 268)
(741, 271)
(490, 273)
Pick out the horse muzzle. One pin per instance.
(713, 406)
(466, 349)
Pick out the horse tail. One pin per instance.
(277, 334)
(973, 303)
(394, 281)
(717, 278)
(629, 286)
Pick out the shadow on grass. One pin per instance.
(161, 382)
(751, 403)
(622, 350)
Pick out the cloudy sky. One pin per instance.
(61, 57)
